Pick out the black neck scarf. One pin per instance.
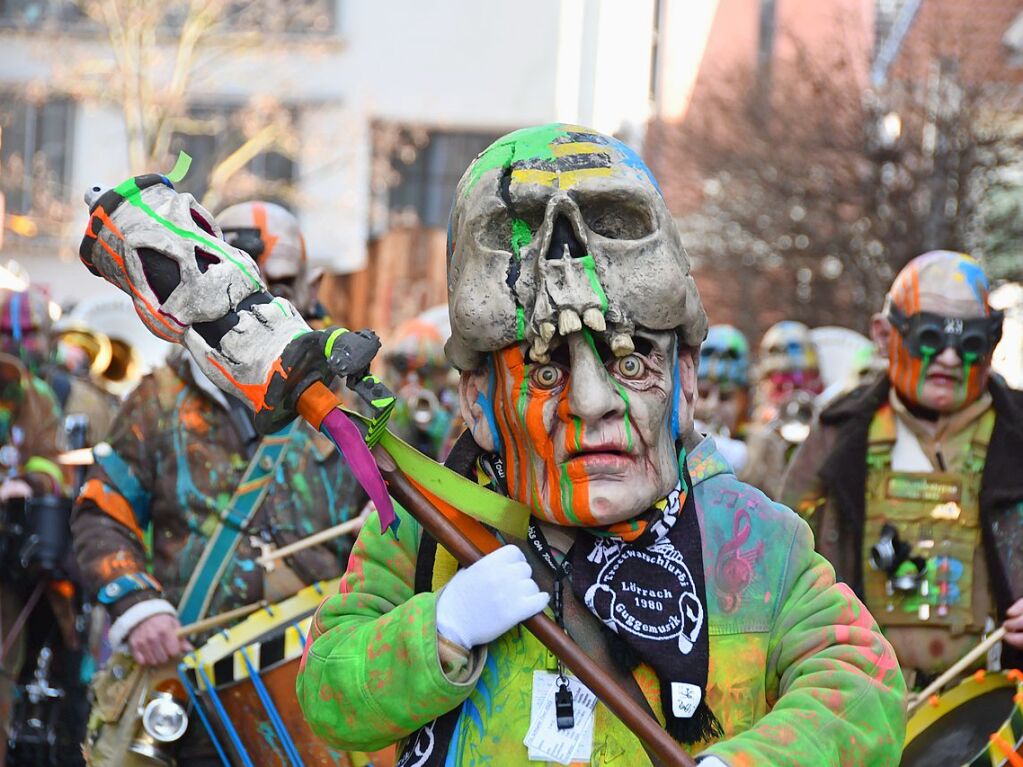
(650, 592)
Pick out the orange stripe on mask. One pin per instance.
(254, 393)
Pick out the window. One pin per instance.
(426, 186)
(214, 133)
(282, 16)
(35, 154)
(35, 13)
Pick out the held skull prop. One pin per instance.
(190, 287)
(559, 227)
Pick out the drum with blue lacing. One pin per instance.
(977, 723)
(242, 685)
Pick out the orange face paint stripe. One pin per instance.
(537, 431)
(578, 479)
(517, 469)
(113, 505)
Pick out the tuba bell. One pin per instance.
(113, 363)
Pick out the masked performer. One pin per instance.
(576, 327)
(911, 483)
(416, 370)
(170, 472)
(722, 407)
(788, 380)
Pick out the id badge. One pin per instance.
(545, 740)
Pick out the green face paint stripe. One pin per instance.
(578, 433)
(329, 347)
(568, 496)
(520, 405)
(923, 375)
(521, 237)
(130, 191)
(590, 267)
(280, 305)
(520, 323)
(628, 424)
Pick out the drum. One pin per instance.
(978, 723)
(242, 685)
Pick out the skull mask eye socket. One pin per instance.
(201, 222)
(509, 230)
(617, 220)
(162, 272)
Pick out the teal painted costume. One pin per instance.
(799, 673)
(181, 459)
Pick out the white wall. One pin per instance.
(462, 64)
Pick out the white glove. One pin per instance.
(488, 598)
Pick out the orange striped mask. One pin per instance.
(587, 439)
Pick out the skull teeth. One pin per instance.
(621, 344)
(569, 322)
(547, 331)
(540, 352)
(593, 318)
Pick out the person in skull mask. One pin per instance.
(415, 368)
(576, 327)
(911, 482)
(722, 407)
(172, 465)
(272, 236)
(783, 402)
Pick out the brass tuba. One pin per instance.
(113, 363)
(117, 346)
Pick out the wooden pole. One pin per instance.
(596, 679)
(956, 669)
(219, 620)
(349, 526)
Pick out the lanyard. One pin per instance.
(563, 706)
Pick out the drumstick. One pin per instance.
(956, 668)
(313, 540)
(218, 620)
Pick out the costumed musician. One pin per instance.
(167, 532)
(912, 482)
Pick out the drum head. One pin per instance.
(960, 735)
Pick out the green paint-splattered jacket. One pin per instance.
(799, 673)
(187, 458)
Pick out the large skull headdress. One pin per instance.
(558, 227)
